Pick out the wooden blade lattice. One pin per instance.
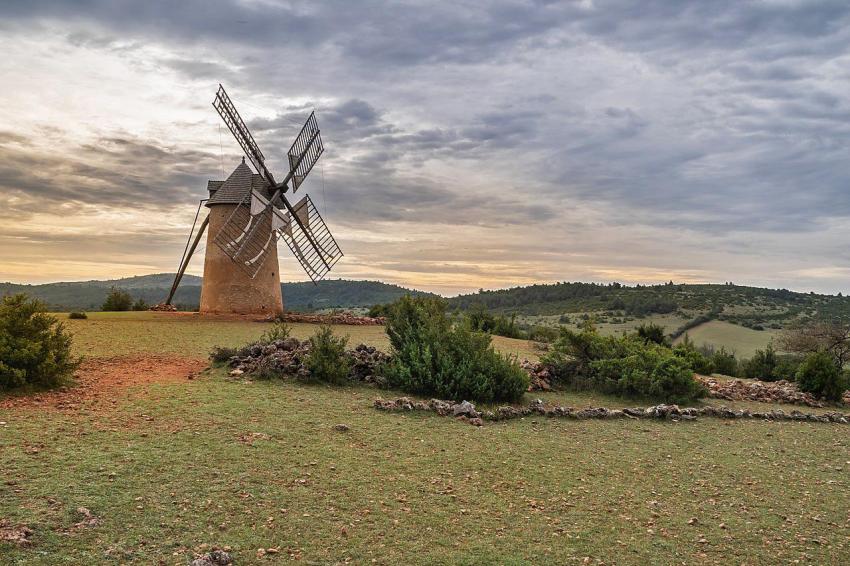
(247, 239)
(316, 260)
(225, 108)
(309, 144)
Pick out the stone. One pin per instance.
(341, 427)
(466, 409)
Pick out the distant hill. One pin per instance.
(153, 289)
(748, 306)
(752, 307)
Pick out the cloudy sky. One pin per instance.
(469, 144)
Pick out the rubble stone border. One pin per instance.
(466, 411)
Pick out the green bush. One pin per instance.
(693, 358)
(651, 332)
(433, 357)
(625, 365)
(378, 311)
(543, 334)
(327, 360)
(821, 376)
(34, 347)
(117, 300)
(762, 365)
(140, 305)
(78, 315)
(278, 331)
(478, 319)
(724, 362)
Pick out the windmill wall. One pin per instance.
(228, 289)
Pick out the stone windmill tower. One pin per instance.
(248, 214)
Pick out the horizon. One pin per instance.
(479, 146)
(447, 296)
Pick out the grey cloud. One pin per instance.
(117, 171)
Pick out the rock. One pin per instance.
(341, 427)
(213, 558)
(753, 390)
(465, 409)
(236, 372)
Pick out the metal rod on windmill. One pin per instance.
(264, 214)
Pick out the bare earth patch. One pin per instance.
(16, 534)
(98, 380)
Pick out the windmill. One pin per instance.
(248, 214)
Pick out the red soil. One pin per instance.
(100, 380)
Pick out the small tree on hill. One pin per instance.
(118, 300)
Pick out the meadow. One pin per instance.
(170, 467)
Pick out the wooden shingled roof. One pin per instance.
(237, 187)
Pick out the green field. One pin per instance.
(743, 341)
(120, 333)
(170, 468)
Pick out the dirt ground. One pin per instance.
(100, 380)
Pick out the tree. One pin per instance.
(117, 300)
(140, 305)
(828, 336)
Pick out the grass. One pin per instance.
(166, 470)
(743, 341)
(120, 333)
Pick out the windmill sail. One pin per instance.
(316, 259)
(225, 108)
(247, 234)
(305, 151)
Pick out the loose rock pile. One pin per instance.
(729, 389)
(541, 375)
(286, 358)
(213, 558)
(763, 391)
(466, 411)
(339, 318)
(163, 307)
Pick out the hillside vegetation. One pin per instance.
(153, 289)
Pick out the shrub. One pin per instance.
(762, 365)
(787, 366)
(479, 320)
(34, 347)
(543, 334)
(651, 332)
(222, 354)
(821, 376)
(140, 305)
(327, 360)
(78, 315)
(278, 331)
(623, 365)
(724, 362)
(433, 357)
(117, 300)
(693, 358)
(378, 311)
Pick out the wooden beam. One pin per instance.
(180, 273)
